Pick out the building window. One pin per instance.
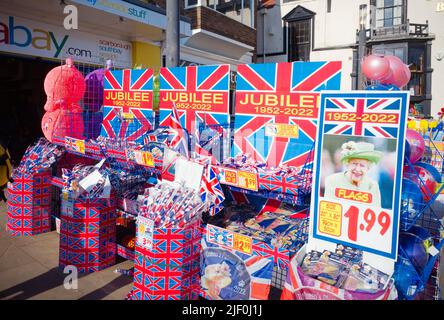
(299, 40)
(414, 55)
(417, 67)
(328, 6)
(389, 13)
(191, 3)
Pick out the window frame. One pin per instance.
(385, 8)
(292, 47)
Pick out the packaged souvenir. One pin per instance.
(363, 277)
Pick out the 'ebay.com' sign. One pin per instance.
(18, 35)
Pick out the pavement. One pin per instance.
(29, 270)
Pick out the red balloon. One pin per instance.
(63, 85)
(375, 67)
(49, 121)
(69, 124)
(400, 73)
(416, 143)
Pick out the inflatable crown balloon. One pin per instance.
(64, 87)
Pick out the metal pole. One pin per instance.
(172, 34)
(361, 54)
(264, 12)
(361, 42)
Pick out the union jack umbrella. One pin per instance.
(196, 82)
(133, 119)
(284, 82)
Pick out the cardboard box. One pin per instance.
(29, 203)
(167, 266)
(88, 234)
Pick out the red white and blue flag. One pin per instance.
(199, 92)
(361, 116)
(177, 137)
(127, 110)
(280, 94)
(211, 190)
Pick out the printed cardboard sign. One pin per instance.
(145, 231)
(356, 195)
(277, 109)
(127, 104)
(200, 93)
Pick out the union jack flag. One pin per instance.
(361, 114)
(219, 236)
(285, 81)
(177, 137)
(211, 190)
(199, 150)
(128, 122)
(195, 81)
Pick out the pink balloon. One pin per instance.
(400, 73)
(416, 143)
(375, 67)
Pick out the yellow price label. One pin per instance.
(127, 115)
(242, 243)
(282, 130)
(80, 144)
(330, 218)
(231, 177)
(247, 180)
(148, 159)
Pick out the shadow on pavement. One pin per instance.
(114, 285)
(51, 279)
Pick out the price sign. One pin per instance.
(247, 180)
(229, 239)
(147, 159)
(242, 243)
(145, 231)
(143, 158)
(240, 179)
(75, 145)
(359, 204)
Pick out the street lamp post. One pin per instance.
(361, 42)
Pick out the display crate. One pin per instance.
(29, 203)
(168, 268)
(88, 234)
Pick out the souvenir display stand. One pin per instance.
(221, 206)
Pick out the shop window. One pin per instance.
(299, 40)
(389, 13)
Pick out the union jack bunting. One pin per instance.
(211, 190)
(127, 111)
(201, 91)
(362, 115)
(281, 94)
